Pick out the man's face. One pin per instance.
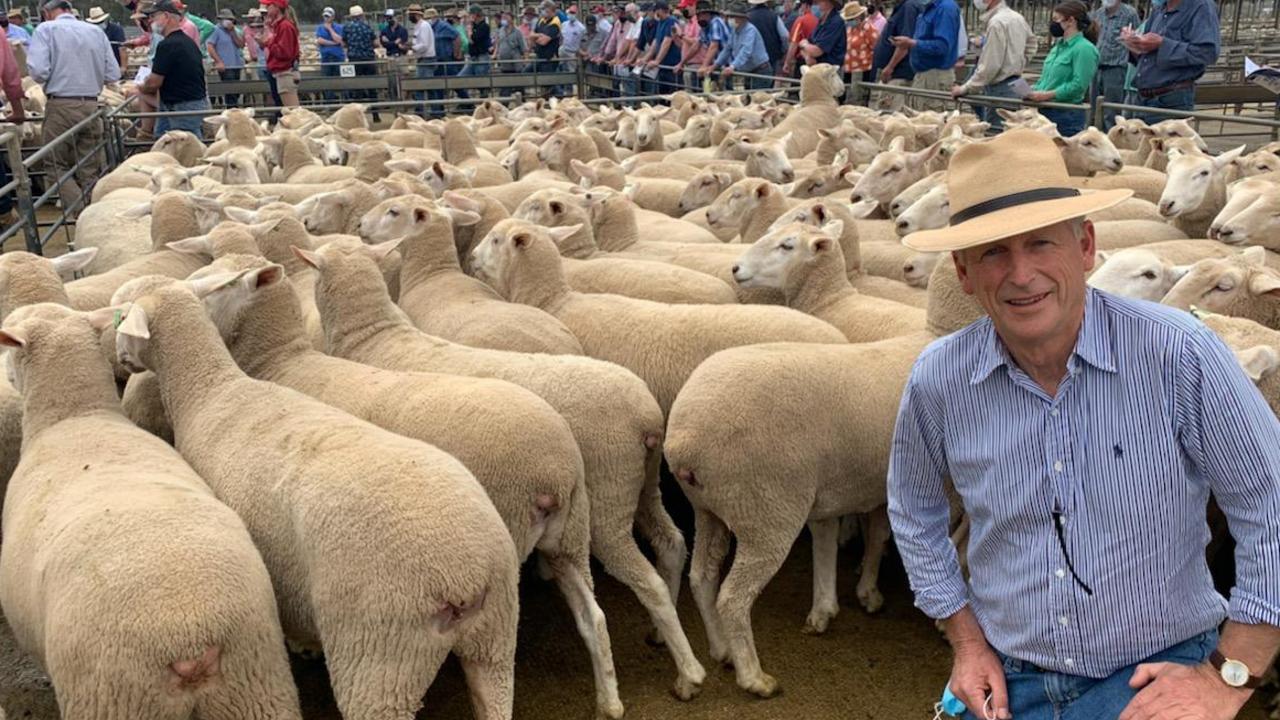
(1032, 285)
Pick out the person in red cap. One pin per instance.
(692, 52)
(282, 53)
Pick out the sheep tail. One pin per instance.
(191, 674)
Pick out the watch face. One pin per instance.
(1235, 673)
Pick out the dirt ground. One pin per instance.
(892, 665)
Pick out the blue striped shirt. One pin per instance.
(1153, 415)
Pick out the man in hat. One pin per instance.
(115, 33)
(423, 43)
(448, 51)
(714, 34)
(546, 38)
(225, 48)
(330, 42)
(693, 54)
(478, 49)
(281, 46)
(860, 42)
(572, 31)
(1008, 47)
(745, 51)
(72, 60)
(393, 38)
(359, 38)
(15, 29)
(177, 73)
(1083, 433)
(772, 31)
(664, 52)
(254, 32)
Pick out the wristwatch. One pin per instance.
(1233, 672)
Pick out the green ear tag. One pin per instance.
(115, 320)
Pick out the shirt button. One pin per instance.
(1069, 662)
(1057, 466)
(1054, 412)
(1060, 573)
(1063, 621)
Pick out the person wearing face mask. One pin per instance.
(1008, 47)
(1180, 41)
(226, 48)
(177, 73)
(571, 33)
(745, 50)
(861, 37)
(1113, 56)
(546, 39)
(72, 60)
(1068, 70)
(806, 21)
(829, 39)
(693, 53)
(508, 46)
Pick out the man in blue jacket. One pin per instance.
(933, 49)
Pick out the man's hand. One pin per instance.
(958, 90)
(1182, 692)
(1040, 96)
(886, 75)
(219, 66)
(652, 63)
(727, 71)
(976, 673)
(902, 41)
(1142, 44)
(705, 70)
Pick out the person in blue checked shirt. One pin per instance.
(1083, 433)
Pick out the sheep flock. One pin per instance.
(320, 388)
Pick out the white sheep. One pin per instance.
(162, 603)
(1258, 223)
(614, 418)
(820, 86)
(1241, 285)
(324, 496)
(1257, 349)
(1196, 190)
(1147, 272)
(891, 172)
(661, 343)
(808, 266)
(440, 299)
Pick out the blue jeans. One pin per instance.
(1176, 100)
(1109, 85)
(1036, 694)
(475, 67)
(426, 69)
(989, 113)
(330, 69)
(191, 123)
(1069, 122)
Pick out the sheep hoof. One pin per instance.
(686, 689)
(816, 625)
(871, 600)
(612, 710)
(765, 686)
(654, 639)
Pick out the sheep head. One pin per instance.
(40, 336)
(1191, 178)
(1241, 285)
(785, 255)
(1258, 223)
(1138, 273)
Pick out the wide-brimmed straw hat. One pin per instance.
(97, 16)
(853, 11)
(1012, 184)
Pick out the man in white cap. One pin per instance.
(330, 43)
(1083, 433)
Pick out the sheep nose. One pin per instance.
(1214, 230)
(1166, 208)
(736, 269)
(895, 209)
(855, 198)
(1117, 165)
(788, 176)
(903, 225)
(908, 269)
(1225, 233)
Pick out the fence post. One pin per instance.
(1098, 112)
(13, 148)
(582, 78)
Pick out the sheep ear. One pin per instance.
(240, 215)
(258, 278)
(199, 245)
(582, 168)
(841, 159)
(219, 160)
(1257, 361)
(557, 207)
(764, 188)
(249, 113)
(349, 148)
(462, 202)
(205, 286)
(1227, 158)
(521, 239)
(1265, 283)
(103, 318)
(74, 261)
(833, 228)
(310, 257)
(421, 214)
(560, 234)
(400, 165)
(382, 250)
(195, 170)
(1255, 255)
(462, 217)
(13, 338)
(824, 132)
(819, 244)
(137, 211)
(134, 323)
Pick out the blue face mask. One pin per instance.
(817, 12)
(1158, 3)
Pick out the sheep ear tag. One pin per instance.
(134, 324)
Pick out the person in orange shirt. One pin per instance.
(802, 29)
(861, 37)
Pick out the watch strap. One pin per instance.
(1217, 659)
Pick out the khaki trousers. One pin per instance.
(60, 116)
(933, 80)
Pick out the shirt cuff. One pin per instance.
(945, 599)
(1249, 609)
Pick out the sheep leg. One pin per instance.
(660, 530)
(623, 559)
(491, 686)
(759, 555)
(876, 537)
(591, 626)
(83, 698)
(710, 545)
(381, 676)
(826, 549)
(258, 685)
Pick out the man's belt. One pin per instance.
(74, 97)
(1157, 92)
(1011, 78)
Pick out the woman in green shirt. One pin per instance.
(1069, 69)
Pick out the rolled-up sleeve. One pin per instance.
(1200, 46)
(1228, 431)
(918, 507)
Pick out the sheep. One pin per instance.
(1258, 162)
(614, 418)
(706, 185)
(513, 193)
(1241, 285)
(820, 85)
(1118, 234)
(892, 172)
(350, 117)
(299, 166)
(825, 179)
(521, 261)
(237, 166)
(1088, 152)
(339, 211)
(136, 173)
(1126, 134)
(919, 267)
(564, 146)
(440, 299)
(1240, 195)
(657, 194)
(648, 131)
(750, 204)
(607, 173)
(332, 504)
(916, 190)
(1257, 349)
(1196, 190)
(588, 270)
(862, 147)
(1147, 272)
(768, 159)
(182, 146)
(459, 149)
(174, 216)
(93, 489)
(117, 227)
(237, 128)
(1258, 223)
(1145, 185)
(807, 265)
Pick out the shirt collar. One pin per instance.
(1093, 345)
